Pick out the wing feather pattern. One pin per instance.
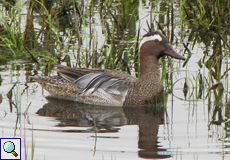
(98, 84)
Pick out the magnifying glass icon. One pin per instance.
(9, 147)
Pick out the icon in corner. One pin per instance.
(10, 148)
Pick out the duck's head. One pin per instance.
(155, 44)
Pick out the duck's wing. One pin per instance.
(72, 74)
(107, 84)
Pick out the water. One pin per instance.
(187, 128)
(65, 130)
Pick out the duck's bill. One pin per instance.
(170, 52)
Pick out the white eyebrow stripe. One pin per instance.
(150, 38)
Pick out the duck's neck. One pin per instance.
(148, 64)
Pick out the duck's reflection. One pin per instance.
(108, 119)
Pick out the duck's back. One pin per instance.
(91, 86)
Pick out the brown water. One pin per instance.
(189, 128)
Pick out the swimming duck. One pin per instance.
(114, 88)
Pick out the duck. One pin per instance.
(114, 88)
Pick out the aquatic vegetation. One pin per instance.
(209, 23)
